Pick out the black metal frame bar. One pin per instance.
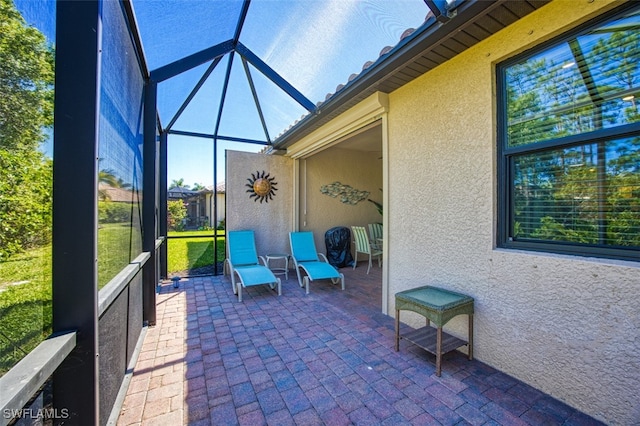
(197, 87)
(149, 202)
(254, 93)
(135, 36)
(162, 207)
(275, 77)
(75, 277)
(218, 137)
(188, 62)
(223, 96)
(241, 18)
(439, 9)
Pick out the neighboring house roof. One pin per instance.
(116, 194)
(180, 192)
(220, 188)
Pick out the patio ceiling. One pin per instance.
(270, 72)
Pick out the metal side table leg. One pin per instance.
(439, 351)
(470, 337)
(397, 330)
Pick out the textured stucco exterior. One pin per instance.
(320, 212)
(271, 221)
(209, 208)
(567, 325)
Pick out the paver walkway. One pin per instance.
(323, 358)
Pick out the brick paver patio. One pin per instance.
(326, 358)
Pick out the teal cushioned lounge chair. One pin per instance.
(307, 259)
(244, 262)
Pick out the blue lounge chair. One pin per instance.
(244, 262)
(305, 258)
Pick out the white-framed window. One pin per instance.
(569, 142)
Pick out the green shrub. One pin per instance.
(114, 212)
(25, 201)
(176, 212)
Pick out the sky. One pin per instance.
(314, 45)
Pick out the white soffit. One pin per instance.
(366, 112)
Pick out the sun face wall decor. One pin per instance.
(261, 186)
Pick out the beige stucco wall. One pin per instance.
(271, 221)
(567, 325)
(320, 212)
(220, 199)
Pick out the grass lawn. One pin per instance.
(188, 255)
(25, 282)
(25, 304)
(117, 246)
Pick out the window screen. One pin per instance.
(120, 148)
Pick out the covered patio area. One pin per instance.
(501, 138)
(323, 358)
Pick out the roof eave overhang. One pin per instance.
(380, 75)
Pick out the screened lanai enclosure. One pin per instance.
(147, 93)
(229, 85)
(129, 130)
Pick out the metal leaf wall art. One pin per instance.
(346, 193)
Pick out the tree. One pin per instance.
(617, 57)
(26, 79)
(587, 193)
(122, 184)
(106, 177)
(178, 183)
(26, 109)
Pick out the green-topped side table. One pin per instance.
(437, 305)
